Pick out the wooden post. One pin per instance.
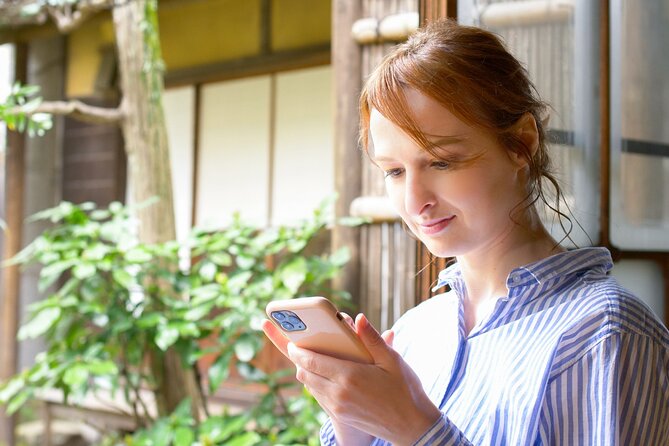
(346, 63)
(605, 126)
(47, 420)
(9, 311)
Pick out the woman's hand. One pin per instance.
(345, 435)
(384, 399)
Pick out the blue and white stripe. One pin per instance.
(569, 357)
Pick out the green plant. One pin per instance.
(17, 111)
(116, 302)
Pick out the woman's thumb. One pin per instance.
(375, 344)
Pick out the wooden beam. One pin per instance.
(14, 191)
(346, 64)
(251, 66)
(605, 125)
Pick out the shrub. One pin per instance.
(115, 301)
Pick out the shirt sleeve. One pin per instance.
(616, 394)
(442, 433)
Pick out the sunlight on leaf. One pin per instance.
(40, 323)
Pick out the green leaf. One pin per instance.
(160, 433)
(183, 436)
(205, 294)
(219, 371)
(208, 271)
(294, 273)
(40, 323)
(76, 375)
(221, 258)
(151, 320)
(52, 272)
(296, 245)
(96, 252)
(83, 271)
(245, 262)
(198, 312)
(341, 256)
(18, 401)
(100, 214)
(182, 413)
(123, 278)
(245, 439)
(218, 429)
(11, 388)
(102, 368)
(187, 329)
(249, 372)
(245, 348)
(138, 255)
(167, 335)
(31, 105)
(239, 281)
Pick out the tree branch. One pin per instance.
(80, 111)
(66, 17)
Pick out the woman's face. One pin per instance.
(459, 203)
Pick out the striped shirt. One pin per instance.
(568, 357)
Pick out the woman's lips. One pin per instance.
(433, 227)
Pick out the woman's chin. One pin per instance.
(441, 250)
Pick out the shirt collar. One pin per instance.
(596, 261)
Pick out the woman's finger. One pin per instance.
(348, 319)
(275, 335)
(326, 366)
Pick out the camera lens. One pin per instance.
(278, 316)
(287, 325)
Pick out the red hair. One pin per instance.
(470, 72)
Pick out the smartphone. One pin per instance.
(315, 323)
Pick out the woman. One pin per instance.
(531, 344)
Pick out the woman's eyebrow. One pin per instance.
(441, 140)
(380, 158)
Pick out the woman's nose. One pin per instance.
(419, 196)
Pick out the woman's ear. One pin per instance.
(527, 133)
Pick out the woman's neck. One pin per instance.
(486, 270)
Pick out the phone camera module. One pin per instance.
(289, 321)
(279, 316)
(288, 326)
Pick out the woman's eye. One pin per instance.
(442, 165)
(392, 173)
